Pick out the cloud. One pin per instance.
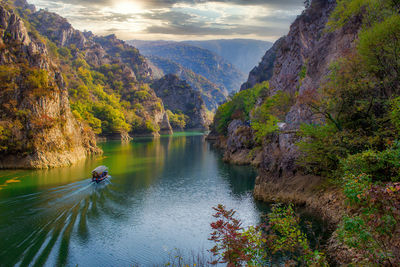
(179, 19)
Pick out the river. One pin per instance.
(158, 202)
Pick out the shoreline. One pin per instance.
(313, 193)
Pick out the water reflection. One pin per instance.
(159, 198)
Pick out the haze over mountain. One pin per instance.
(211, 94)
(244, 54)
(200, 61)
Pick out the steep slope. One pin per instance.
(298, 64)
(242, 53)
(108, 79)
(190, 104)
(211, 94)
(264, 70)
(37, 128)
(198, 60)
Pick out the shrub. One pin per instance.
(256, 245)
(320, 148)
(379, 165)
(142, 95)
(152, 127)
(265, 118)
(239, 107)
(177, 120)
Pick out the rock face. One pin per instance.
(264, 71)
(239, 148)
(125, 69)
(36, 125)
(210, 92)
(178, 96)
(308, 46)
(201, 61)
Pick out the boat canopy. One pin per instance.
(99, 170)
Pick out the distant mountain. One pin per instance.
(210, 92)
(200, 61)
(244, 54)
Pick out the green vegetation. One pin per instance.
(245, 106)
(266, 116)
(257, 245)
(356, 141)
(177, 120)
(239, 107)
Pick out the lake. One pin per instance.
(158, 202)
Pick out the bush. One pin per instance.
(239, 107)
(142, 95)
(265, 118)
(256, 245)
(320, 148)
(178, 120)
(379, 165)
(152, 126)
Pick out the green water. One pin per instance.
(159, 199)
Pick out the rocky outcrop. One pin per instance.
(297, 64)
(239, 148)
(126, 72)
(307, 48)
(210, 92)
(178, 96)
(264, 71)
(37, 127)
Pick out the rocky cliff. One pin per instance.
(210, 92)
(101, 70)
(296, 65)
(37, 128)
(179, 97)
(201, 61)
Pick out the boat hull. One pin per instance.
(99, 180)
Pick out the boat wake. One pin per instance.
(53, 216)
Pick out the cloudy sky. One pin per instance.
(179, 19)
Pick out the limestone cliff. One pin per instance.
(179, 97)
(297, 64)
(308, 47)
(113, 65)
(210, 92)
(37, 129)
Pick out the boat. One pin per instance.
(100, 174)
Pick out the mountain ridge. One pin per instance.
(200, 61)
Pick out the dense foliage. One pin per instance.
(257, 245)
(107, 79)
(260, 107)
(177, 120)
(356, 139)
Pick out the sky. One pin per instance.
(179, 19)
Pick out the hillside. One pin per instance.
(319, 117)
(187, 113)
(113, 75)
(37, 127)
(61, 86)
(210, 93)
(200, 61)
(244, 54)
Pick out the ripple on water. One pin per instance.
(160, 199)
